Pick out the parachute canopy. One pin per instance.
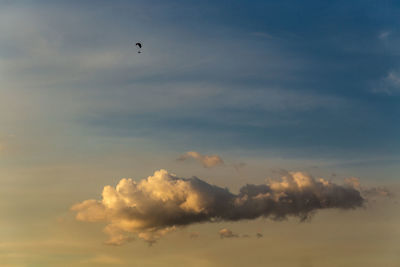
(139, 45)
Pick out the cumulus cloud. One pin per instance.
(354, 182)
(159, 204)
(226, 233)
(117, 236)
(207, 161)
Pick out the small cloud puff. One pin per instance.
(162, 202)
(390, 84)
(207, 161)
(226, 233)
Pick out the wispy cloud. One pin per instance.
(369, 193)
(157, 205)
(390, 84)
(384, 35)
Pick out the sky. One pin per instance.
(245, 133)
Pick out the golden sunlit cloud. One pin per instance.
(226, 233)
(162, 202)
(207, 161)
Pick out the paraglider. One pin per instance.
(139, 46)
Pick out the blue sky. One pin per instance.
(306, 78)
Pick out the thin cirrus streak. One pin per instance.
(157, 205)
